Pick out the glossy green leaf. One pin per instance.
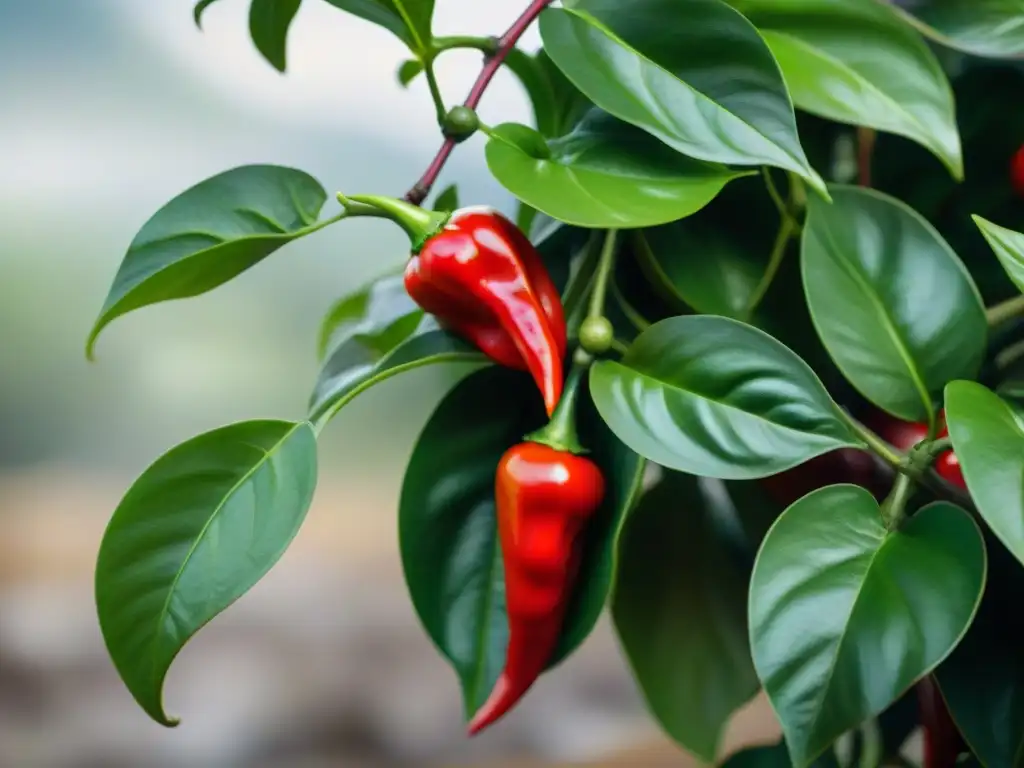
(448, 530)
(269, 21)
(702, 267)
(900, 87)
(1008, 247)
(846, 616)
(211, 233)
(447, 199)
(604, 174)
(982, 681)
(993, 28)
(408, 20)
(680, 613)
(570, 105)
(892, 303)
(694, 74)
(376, 305)
(539, 88)
(375, 353)
(408, 70)
(988, 439)
(715, 397)
(199, 9)
(196, 531)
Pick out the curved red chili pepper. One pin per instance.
(544, 498)
(483, 278)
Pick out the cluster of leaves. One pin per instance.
(760, 328)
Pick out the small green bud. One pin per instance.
(460, 123)
(596, 335)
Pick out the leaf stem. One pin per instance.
(419, 191)
(1004, 310)
(865, 151)
(773, 191)
(877, 445)
(435, 89)
(486, 45)
(582, 281)
(602, 274)
(788, 228)
(894, 508)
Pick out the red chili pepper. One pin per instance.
(942, 743)
(1017, 171)
(544, 498)
(482, 277)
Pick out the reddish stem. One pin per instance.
(506, 43)
(942, 740)
(865, 150)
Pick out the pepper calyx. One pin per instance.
(560, 431)
(419, 224)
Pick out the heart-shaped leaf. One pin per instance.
(605, 173)
(993, 28)
(269, 22)
(715, 397)
(899, 88)
(196, 531)
(680, 612)
(696, 75)
(408, 20)
(1008, 247)
(988, 439)
(448, 529)
(845, 616)
(211, 233)
(894, 306)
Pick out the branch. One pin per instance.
(506, 43)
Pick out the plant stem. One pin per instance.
(1004, 310)
(865, 150)
(582, 281)
(773, 191)
(486, 45)
(894, 508)
(639, 322)
(602, 274)
(435, 90)
(419, 191)
(877, 445)
(560, 431)
(788, 227)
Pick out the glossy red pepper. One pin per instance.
(482, 278)
(544, 498)
(1017, 171)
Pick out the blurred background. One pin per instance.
(109, 109)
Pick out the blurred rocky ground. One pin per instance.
(322, 664)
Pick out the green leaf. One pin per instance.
(899, 88)
(715, 397)
(680, 612)
(408, 70)
(846, 616)
(982, 681)
(269, 21)
(408, 20)
(696, 75)
(447, 199)
(375, 352)
(992, 28)
(448, 530)
(196, 531)
(211, 233)
(604, 174)
(376, 305)
(539, 89)
(892, 303)
(1008, 247)
(570, 104)
(199, 10)
(988, 439)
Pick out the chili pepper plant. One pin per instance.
(746, 370)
